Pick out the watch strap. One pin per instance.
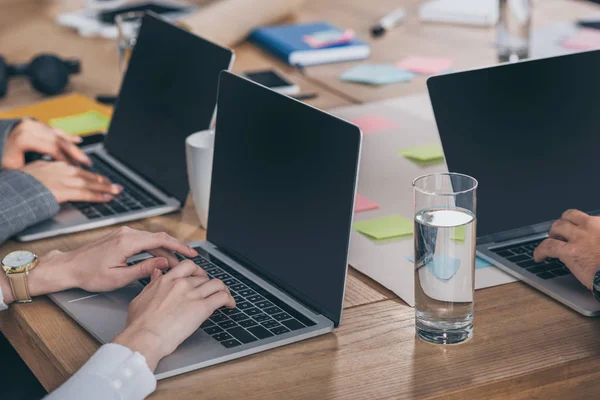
(19, 288)
(596, 285)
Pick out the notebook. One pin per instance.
(287, 42)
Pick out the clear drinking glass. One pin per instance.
(445, 227)
(514, 26)
(128, 27)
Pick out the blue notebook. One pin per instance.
(286, 42)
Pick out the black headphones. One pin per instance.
(47, 73)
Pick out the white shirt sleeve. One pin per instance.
(2, 305)
(113, 373)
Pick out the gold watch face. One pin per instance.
(18, 261)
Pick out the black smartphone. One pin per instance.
(273, 80)
(108, 16)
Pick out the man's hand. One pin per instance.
(70, 183)
(32, 135)
(170, 309)
(100, 266)
(575, 240)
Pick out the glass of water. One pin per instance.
(445, 227)
(128, 27)
(513, 30)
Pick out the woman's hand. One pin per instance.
(101, 265)
(70, 183)
(170, 309)
(30, 135)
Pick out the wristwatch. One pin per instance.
(596, 285)
(17, 266)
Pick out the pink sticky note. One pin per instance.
(425, 65)
(373, 123)
(364, 204)
(584, 39)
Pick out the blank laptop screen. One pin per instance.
(284, 176)
(528, 132)
(168, 93)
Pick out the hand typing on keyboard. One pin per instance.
(170, 309)
(101, 265)
(71, 183)
(575, 240)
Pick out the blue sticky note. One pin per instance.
(376, 74)
(481, 263)
(442, 267)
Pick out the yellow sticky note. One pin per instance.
(80, 124)
(459, 233)
(427, 153)
(386, 227)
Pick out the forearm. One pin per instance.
(23, 202)
(6, 126)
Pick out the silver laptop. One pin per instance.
(281, 205)
(529, 133)
(169, 92)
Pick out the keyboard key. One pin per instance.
(218, 318)
(281, 316)
(561, 272)
(260, 332)
(230, 311)
(230, 282)
(222, 336)
(239, 317)
(238, 298)
(270, 324)
(254, 298)
(207, 323)
(527, 264)
(546, 275)
(244, 305)
(222, 276)
(227, 324)
(280, 330)
(241, 334)
(211, 330)
(519, 258)
(230, 343)
(261, 317)
(272, 310)
(239, 287)
(253, 311)
(505, 253)
(246, 292)
(520, 250)
(293, 324)
(264, 304)
(248, 323)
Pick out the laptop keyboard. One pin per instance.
(522, 255)
(132, 198)
(257, 315)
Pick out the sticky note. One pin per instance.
(481, 263)
(330, 37)
(584, 39)
(386, 227)
(427, 153)
(376, 74)
(442, 267)
(374, 123)
(363, 204)
(459, 233)
(78, 124)
(425, 65)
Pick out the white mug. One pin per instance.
(199, 155)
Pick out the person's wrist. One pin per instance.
(53, 273)
(142, 341)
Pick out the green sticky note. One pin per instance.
(459, 233)
(386, 227)
(79, 124)
(427, 153)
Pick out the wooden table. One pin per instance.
(525, 345)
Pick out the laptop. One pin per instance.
(528, 132)
(168, 93)
(281, 204)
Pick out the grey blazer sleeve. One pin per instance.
(23, 200)
(6, 125)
